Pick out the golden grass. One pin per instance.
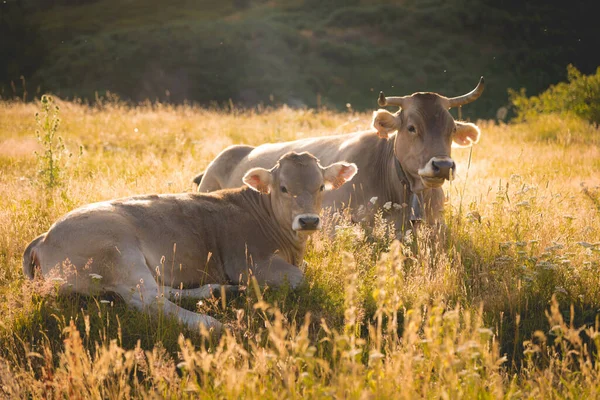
(376, 318)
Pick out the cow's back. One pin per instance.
(217, 174)
(188, 238)
(359, 148)
(198, 238)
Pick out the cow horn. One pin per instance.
(389, 101)
(469, 97)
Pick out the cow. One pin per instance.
(148, 248)
(404, 168)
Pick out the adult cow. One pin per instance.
(407, 168)
(218, 237)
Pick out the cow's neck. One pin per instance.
(396, 186)
(290, 245)
(400, 183)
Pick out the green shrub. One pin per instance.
(579, 96)
(50, 160)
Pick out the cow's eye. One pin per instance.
(412, 129)
(322, 188)
(283, 189)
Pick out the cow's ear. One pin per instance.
(466, 134)
(337, 174)
(258, 179)
(384, 122)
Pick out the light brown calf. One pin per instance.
(220, 238)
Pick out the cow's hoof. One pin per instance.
(230, 291)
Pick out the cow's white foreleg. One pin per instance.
(276, 272)
(205, 291)
(148, 299)
(140, 290)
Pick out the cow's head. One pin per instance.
(426, 132)
(296, 185)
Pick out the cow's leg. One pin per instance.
(139, 289)
(207, 291)
(434, 213)
(400, 222)
(276, 271)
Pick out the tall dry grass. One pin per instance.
(478, 316)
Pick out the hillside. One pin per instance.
(295, 52)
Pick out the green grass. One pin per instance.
(374, 318)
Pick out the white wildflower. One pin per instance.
(375, 355)
(560, 289)
(546, 265)
(304, 266)
(388, 205)
(486, 331)
(373, 200)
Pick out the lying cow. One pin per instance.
(407, 168)
(218, 237)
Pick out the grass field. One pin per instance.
(508, 308)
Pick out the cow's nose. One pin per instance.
(308, 223)
(443, 168)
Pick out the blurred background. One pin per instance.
(333, 53)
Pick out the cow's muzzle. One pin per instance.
(306, 222)
(437, 170)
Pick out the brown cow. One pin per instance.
(144, 247)
(409, 166)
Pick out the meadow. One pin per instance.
(506, 307)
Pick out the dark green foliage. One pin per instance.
(294, 52)
(579, 96)
(22, 49)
